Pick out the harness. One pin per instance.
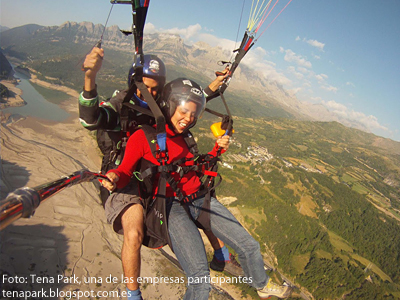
(112, 141)
(161, 175)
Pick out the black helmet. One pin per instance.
(178, 92)
(153, 67)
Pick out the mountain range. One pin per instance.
(3, 28)
(199, 57)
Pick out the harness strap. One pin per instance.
(124, 119)
(203, 164)
(158, 115)
(210, 173)
(181, 170)
(191, 143)
(120, 151)
(204, 189)
(138, 108)
(189, 198)
(214, 112)
(174, 185)
(159, 169)
(155, 110)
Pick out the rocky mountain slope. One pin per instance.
(199, 57)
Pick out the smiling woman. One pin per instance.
(183, 116)
(177, 194)
(183, 103)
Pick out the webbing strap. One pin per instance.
(230, 121)
(158, 169)
(191, 197)
(210, 173)
(176, 167)
(140, 109)
(158, 115)
(174, 185)
(214, 112)
(155, 109)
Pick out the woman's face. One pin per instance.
(183, 116)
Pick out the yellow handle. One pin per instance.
(217, 130)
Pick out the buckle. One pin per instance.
(179, 170)
(162, 156)
(113, 155)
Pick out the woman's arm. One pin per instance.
(221, 143)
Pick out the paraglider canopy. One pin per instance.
(260, 11)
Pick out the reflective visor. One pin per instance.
(183, 102)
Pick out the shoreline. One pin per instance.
(16, 99)
(52, 86)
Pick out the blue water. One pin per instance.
(37, 106)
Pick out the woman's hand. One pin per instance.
(111, 183)
(223, 142)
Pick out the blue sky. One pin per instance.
(343, 54)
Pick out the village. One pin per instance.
(254, 155)
(257, 155)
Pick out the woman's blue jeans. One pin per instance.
(189, 248)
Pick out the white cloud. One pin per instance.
(186, 33)
(350, 84)
(321, 77)
(260, 51)
(329, 88)
(316, 99)
(290, 56)
(293, 92)
(316, 44)
(336, 107)
(303, 70)
(370, 122)
(316, 56)
(298, 75)
(320, 46)
(150, 28)
(224, 44)
(256, 60)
